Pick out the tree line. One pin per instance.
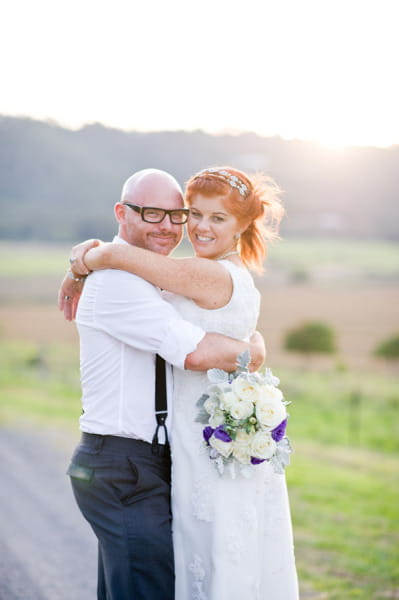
(60, 185)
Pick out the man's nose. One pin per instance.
(166, 223)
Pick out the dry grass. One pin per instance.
(39, 323)
(361, 317)
(350, 285)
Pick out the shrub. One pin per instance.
(299, 275)
(389, 348)
(311, 338)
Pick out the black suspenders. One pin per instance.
(161, 405)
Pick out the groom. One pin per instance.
(120, 479)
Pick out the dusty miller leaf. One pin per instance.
(270, 379)
(202, 417)
(218, 376)
(243, 360)
(200, 402)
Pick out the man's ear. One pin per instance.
(120, 213)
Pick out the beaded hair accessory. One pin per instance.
(232, 180)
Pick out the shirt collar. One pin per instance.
(119, 240)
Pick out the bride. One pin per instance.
(232, 537)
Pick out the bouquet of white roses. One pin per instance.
(245, 419)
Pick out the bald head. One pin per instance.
(155, 189)
(147, 185)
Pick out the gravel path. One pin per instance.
(47, 550)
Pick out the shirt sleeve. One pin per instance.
(133, 311)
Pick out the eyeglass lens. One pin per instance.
(156, 215)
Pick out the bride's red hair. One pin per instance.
(260, 209)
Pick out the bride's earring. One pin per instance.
(237, 236)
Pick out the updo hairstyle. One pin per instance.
(253, 200)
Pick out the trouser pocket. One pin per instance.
(80, 472)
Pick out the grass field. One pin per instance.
(344, 416)
(352, 286)
(343, 479)
(339, 259)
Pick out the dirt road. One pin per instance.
(47, 550)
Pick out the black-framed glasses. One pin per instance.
(150, 214)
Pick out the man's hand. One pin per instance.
(220, 352)
(257, 350)
(68, 296)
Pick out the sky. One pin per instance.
(323, 70)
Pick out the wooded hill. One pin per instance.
(58, 184)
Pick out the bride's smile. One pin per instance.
(212, 229)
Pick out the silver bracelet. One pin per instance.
(72, 276)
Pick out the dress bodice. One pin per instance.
(237, 318)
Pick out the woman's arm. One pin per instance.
(78, 253)
(220, 352)
(205, 281)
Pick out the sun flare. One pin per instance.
(310, 70)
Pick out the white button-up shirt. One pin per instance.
(123, 321)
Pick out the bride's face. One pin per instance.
(211, 227)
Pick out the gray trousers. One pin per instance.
(122, 488)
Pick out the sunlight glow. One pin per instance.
(309, 70)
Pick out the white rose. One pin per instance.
(242, 409)
(224, 448)
(263, 445)
(246, 390)
(227, 399)
(241, 452)
(242, 436)
(210, 405)
(270, 412)
(217, 418)
(242, 447)
(271, 393)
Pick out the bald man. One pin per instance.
(120, 472)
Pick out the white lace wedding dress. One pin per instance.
(232, 537)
